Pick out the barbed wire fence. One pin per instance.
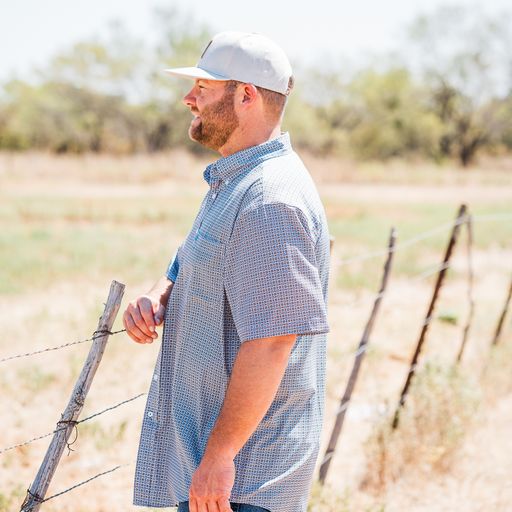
(75, 424)
(69, 422)
(463, 219)
(69, 419)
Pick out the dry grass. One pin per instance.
(497, 371)
(432, 426)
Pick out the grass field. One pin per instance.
(69, 225)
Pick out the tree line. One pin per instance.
(446, 93)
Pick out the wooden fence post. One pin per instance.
(37, 491)
(471, 276)
(361, 351)
(428, 318)
(501, 321)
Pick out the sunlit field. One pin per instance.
(70, 225)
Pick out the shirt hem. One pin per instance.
(285, 332)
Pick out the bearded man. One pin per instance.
(235, 406)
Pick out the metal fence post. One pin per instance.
(461, 214)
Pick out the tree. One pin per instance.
(393, 116)
(466, 59)
(65, 118)
(116, 65)
(107, 94)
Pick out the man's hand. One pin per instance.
(141, 317)
(147, 312)
(211, 485)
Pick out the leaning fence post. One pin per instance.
(361, 351)
(428, 318)
(501, 321)
(471, 301)
(37, 491)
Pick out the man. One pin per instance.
(235, 407)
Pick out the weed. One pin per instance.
(448, 317)
(438, 412)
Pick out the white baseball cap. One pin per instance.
(245, 57)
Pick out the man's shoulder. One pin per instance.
(283, 183)
(283, 178)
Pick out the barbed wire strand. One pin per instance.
(112, 407)
(423, 274)
(491, 217)
(430, 272)
(39, 500)
(75, 423)
(423, 236)
(401, 245)
(96, 335)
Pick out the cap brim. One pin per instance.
(195, 73)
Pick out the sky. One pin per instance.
(314, 31)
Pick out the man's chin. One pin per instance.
(194, 133)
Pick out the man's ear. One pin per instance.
(249, 94)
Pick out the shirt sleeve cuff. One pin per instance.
(173, 268)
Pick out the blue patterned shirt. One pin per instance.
(254, 265)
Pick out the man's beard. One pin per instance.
(218, 121)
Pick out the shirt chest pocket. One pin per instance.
(203, 265)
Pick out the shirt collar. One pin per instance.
(228, 167)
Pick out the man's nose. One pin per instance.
(190, 99)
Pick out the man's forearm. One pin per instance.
(258, 370)
(161, 290)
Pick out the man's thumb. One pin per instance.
(159, 315)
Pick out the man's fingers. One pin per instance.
(139, 321)
(192, 505)
(133, 331)
(128, 325)
(146, 310)
(201, 506)
(211, 506)
(224, 506)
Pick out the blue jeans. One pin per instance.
(236, 507)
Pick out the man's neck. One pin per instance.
(247, 137)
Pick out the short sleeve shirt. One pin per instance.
(254, 265)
